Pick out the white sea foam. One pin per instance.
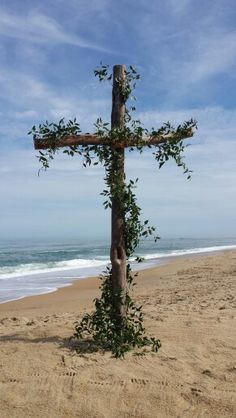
(177, 253)
(78, 264)
(37, 268)
(37, 278)
(36, 291)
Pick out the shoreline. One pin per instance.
(91, 284)
(162, 261)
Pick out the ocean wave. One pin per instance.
(176, 253)
(79, 264)
(36, 268)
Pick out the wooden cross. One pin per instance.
(118, 250)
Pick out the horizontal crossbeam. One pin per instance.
(88, 139)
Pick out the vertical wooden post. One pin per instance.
(118, 253)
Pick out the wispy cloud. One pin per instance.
(172, 203)
(212, 120)
(188, 45)
(36, 27)
(178, 7)
(28, 101)
(186, 52)
(213, 54)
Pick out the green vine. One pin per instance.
(104, 327)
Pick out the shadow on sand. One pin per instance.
(85, 346)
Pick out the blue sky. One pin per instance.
(186, 54)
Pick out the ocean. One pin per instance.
(30, 268)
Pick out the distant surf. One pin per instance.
(190, 251)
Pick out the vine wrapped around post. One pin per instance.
(117, 322)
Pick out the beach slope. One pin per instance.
(189, 304)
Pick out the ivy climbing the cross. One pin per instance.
(117, 322)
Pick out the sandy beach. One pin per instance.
(188, 303)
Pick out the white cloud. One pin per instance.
(39, 28)
(179, 7)
(30, 101)
(214, 54)
(26, 114)
(207, 53)
(212, 121)
(211, 156)
(187, 44)
(176, 206)
(180, 51)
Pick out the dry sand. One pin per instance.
(189, 304)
